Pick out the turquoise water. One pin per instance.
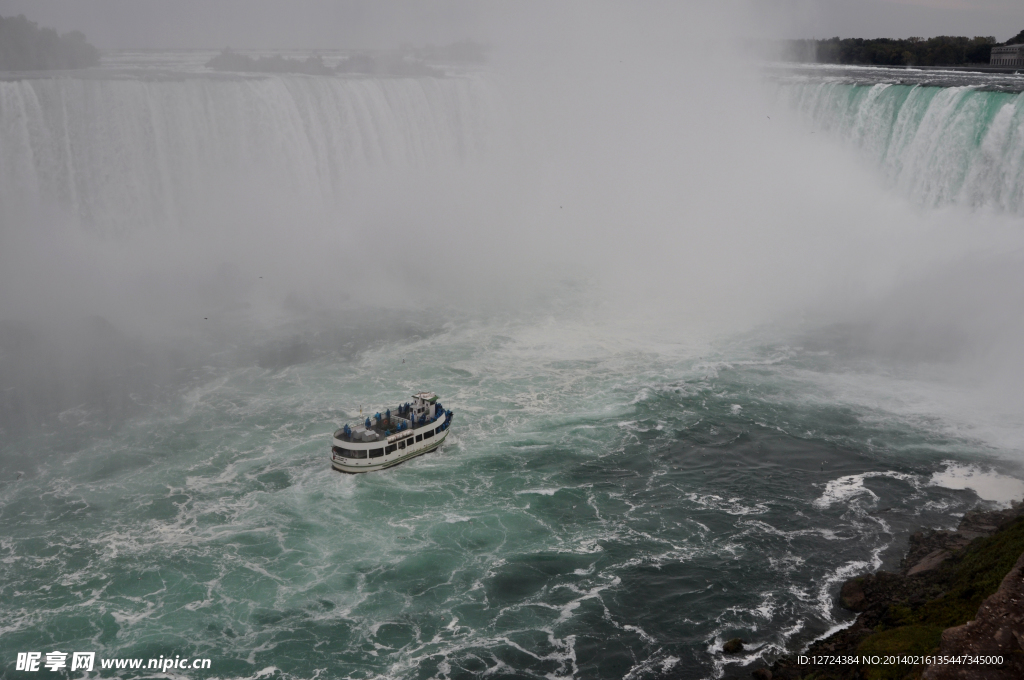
(597, 511)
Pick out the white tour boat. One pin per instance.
(389, 439)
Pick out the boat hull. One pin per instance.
(354, 466)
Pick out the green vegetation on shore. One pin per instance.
(26, 47)
(914, 627)
(1016, 40)
(943, 50)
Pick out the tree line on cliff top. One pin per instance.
(943, 50)
(407, 61)
(314, 65)
(24, 46)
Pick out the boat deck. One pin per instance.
(385, 428)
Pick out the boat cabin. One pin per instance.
(388, 438)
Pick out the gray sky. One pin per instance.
(389, 23)
(904, 18)
(254, 23)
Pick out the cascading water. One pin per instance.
(124, 154)
(941, 145)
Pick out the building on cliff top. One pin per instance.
(1007, 55)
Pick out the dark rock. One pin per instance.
(1004, 637)
(930, 548)
(930, 561)
(762, 674)
(989, 521)
(851, 596)
(734, 646)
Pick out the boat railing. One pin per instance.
(386, 426)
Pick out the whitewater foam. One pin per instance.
(844, 489)
(987, 483)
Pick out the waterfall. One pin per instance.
(119, 154)
(940, 145)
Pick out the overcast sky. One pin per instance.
(904, 18)
(389, 23)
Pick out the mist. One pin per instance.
(599, 169)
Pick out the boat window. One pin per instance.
(428, 435)
(419, 437)
(391, 449)
(376, 453)
(401, 444)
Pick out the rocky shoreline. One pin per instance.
(957, 593)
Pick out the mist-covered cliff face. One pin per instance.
(120, 155)
(147, 222)
(940, 145)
